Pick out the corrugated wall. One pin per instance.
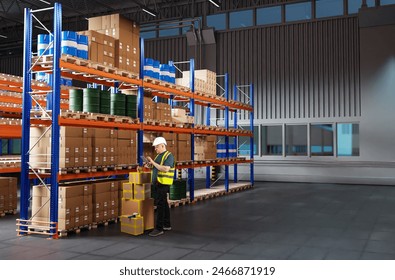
(301, 70)
(11, 65)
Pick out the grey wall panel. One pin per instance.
(166, 49)
(11, 65)
(301, 70)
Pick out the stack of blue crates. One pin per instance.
(164, 72)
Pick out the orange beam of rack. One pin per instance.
(11, 109)
(10, 131)
(10, 170)
(18, 87)
(83, 69)
(93, 123)
(64, 177)
(222, 133)
(228, 162)
(149, 127)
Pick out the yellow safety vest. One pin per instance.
(166, 178)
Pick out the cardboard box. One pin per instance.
(142, 191)
(144, 207)
(127, 191)
(133, 226)
(140, 177)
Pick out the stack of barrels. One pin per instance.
(93, 100)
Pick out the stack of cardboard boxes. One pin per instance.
(84, 147)
(162, 112)
(8, 194)
(105, 201)
(205, 147)
(205, 81)
(75, 205)
(127, 39)
(149, 108)
(101, 47)
(179, 115)
(137, 205)
(183, 147)
(75, 147)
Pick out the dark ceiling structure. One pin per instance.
(76, 13)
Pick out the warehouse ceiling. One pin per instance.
(76, 12)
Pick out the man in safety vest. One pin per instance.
(162, 178)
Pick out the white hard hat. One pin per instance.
(159, 140)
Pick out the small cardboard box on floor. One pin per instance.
(133, 226)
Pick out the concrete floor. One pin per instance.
(272, 221)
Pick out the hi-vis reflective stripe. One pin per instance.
(165, 178)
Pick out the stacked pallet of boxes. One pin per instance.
(179, 115)
(137, 204)
(127, 39)
(205, 147)
(162, 112)
(183, 147)
(105, 201)
(8, 194)
(149, 108)
(127, 147)
(84, 147)
(205, 81)
(75, 149)
(101, 47)
(75, 205)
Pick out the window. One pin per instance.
(299, 11)
(272, 140)
(387, 2)
(354, 5)
(217, 21)
(148, 34)
(189, 22)
(268, 15)
(244, 142)
(321, 139)
(348, 139)
(169, 29)
(329, 8)
(296, 140)
(240, 19)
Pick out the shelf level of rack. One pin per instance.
(91, 75)
(10, 170)
(136, 126)
(13, 86)
(10, 131)
(196, 164)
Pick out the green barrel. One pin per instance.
(131, 106)
(178, 190)
(117, 104)
(75, 99)
(91, 100)
(105, 99)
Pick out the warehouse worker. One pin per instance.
(162, 178)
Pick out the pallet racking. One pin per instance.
(95, 73)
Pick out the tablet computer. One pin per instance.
(144, 159)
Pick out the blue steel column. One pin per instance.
(208, 169)
(10, 146)
(26, 106)
(191, 171)
(140, 105)
(227, 136)
(252, 137)
(55, 115)
(236, 142)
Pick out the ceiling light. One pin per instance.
(214, 3)
(2, 36)
(152, 13)
(45, 2)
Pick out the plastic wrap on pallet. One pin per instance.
(69, 43)
(82, 46)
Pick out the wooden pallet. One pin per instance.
(105, 222)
